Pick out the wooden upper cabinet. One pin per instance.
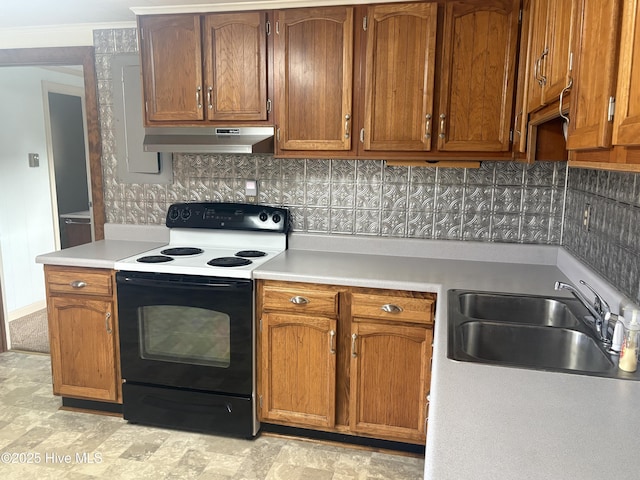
(314, 70)
(232, 85)
(550, 32)
(400, 62)
(478, 75)
(170, 49)
(555, 67)
(536, 52)
(626, 130)
(235, 60)
(595, 55)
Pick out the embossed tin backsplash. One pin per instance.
(500, 202)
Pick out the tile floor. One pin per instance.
(38, 441)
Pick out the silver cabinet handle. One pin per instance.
(106, 323)
(332, 340)
(543, 78)
(354, 337)
(210, 97)
(298, 300)
(564, 91)
(443, 117)
(427, 129)
(536, 69)
(198, 96)
(391, 308)
(517, 124)
(347, 123)
(78, 284)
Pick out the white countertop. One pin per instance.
(485, 422)
(100, 254)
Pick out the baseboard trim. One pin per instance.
(27, 310)
(92, 406)
(366, 442)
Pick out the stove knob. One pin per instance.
(263, 216)
(185, 214)
(174, 213)
(276, 218)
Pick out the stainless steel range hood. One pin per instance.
(209, 140)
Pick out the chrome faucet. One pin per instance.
(599, 310)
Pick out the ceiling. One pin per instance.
(28, 13)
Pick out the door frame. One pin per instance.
(70, 90)
(85, 56)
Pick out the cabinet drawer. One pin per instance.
(293, 299)
(392, 307)
(79, 281)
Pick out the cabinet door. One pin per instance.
(83, 343)
(537, 52)
(314, 75)
(478, 74)
(626, 130)
(400, 59)
(235, 59)
(389, 378)
(170, 49)
(298, 369)
(594, 70)
(555, 66)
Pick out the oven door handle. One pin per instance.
(223, 284)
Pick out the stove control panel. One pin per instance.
(228, 216)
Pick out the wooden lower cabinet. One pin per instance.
(389, 373)
(300, 369)
(83, 333)
(345, 359)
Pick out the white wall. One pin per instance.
(26, 219)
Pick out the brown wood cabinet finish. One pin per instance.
(313, 50)
(550, 33)
(389, 380)
(299, 367)
(399, 81)
(626, 129)
(478, 75)
(201, 69)
(83, 333)
(171, 53)
(235, 51)
(595, 56)
(309, 377)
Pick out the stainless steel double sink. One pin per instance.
(527, 331)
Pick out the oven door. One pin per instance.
(186, 331)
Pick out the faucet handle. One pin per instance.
(599, 303)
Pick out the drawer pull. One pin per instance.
(298, 300)
(332, 342)
(78, 284)
(391, 308)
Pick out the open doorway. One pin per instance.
(43, 155)
(83, 56)
(69, 170)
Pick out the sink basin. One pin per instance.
(533, 346)
(517, 308)
(527, 331)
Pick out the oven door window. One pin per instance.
(184, 334)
